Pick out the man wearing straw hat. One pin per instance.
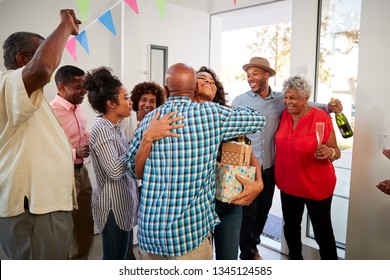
(271, 105)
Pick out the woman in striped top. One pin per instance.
(115, 197)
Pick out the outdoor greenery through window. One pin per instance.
(268, 36)
(336, 76)
(270, 41)
(338, 52)
(337, 67)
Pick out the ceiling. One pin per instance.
(258, 15)
(244, 14)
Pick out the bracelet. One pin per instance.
(333, 153)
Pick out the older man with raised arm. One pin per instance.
(36, 165)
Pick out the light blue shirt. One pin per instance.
(271, 107)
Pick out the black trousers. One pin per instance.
(320, 216)
(254, 216)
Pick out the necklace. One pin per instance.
(306, 110)
(297, 118)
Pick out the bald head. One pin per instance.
(180, 79)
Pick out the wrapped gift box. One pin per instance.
(236, 153)
(227, 184)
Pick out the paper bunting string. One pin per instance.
(82, 38)
(106, 20)
(71, 47)
(161, 4)
(83, 9)
(133, 5)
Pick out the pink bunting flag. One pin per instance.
(235, 2)
(71, 47)
(133, 5)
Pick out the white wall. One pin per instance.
(303, 38)
(368, 232)
(184, 31)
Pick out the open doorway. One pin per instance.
(240, 34)
(262, 30)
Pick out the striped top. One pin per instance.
(116, 190)
(177, 204)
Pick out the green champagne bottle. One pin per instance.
(344, 126)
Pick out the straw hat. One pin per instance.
(261, 63)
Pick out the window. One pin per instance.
(337, 66)
(262, 30)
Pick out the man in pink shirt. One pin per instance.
(66, 105)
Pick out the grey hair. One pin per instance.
(18, 42)
(298, 83)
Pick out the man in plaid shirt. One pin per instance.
(176, 214)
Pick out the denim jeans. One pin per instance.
(227, 233)
(254, 216)
(115, 240)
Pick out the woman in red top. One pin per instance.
(304, 171)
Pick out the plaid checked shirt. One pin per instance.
(178, 192)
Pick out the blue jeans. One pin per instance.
(227, 233)
(115, 240)
(254, 216)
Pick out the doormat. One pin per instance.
(273, 228)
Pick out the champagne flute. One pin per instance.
(320, 126)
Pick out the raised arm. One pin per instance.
(156, 130)
(46, 59)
